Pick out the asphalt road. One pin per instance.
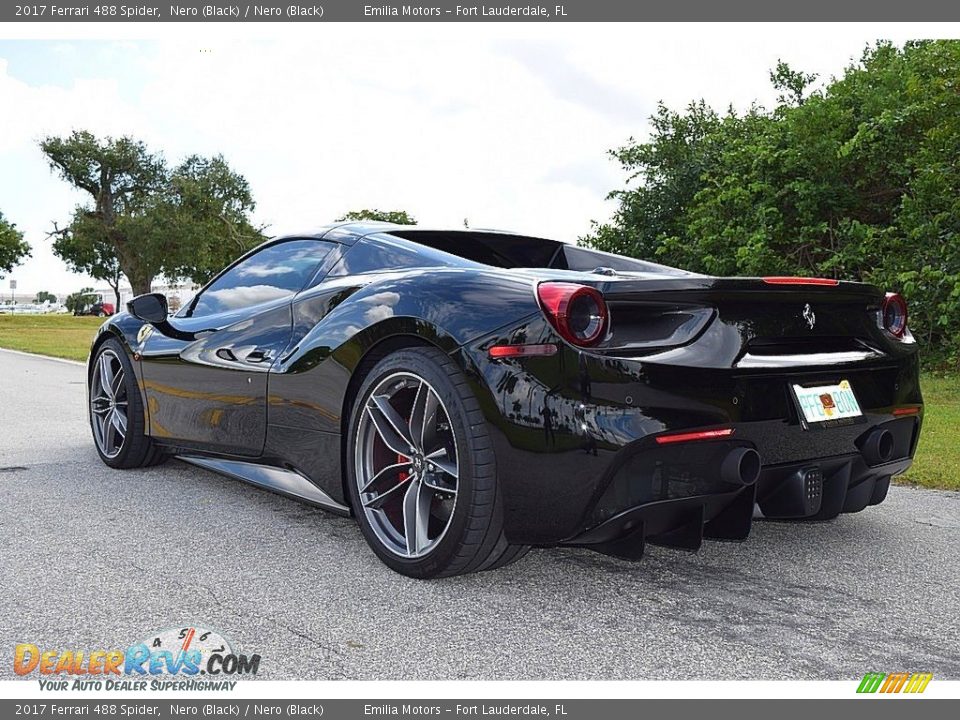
(93, 557)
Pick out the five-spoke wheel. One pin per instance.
(116, 410)
(421, 473)
(108, 404)
(406, 459)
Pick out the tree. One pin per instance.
(668, 170)
(792, 84)
(78, 302)
(45, 297)
(13, 248)
(207, 201)
(145, 218)
(398, 217)
(856, 179)
(85, 248)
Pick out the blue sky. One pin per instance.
(506, 125)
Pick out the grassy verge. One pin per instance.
(62, 336)
(937, 464)
(938, 458)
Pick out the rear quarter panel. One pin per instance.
(336, 323)
(335, 326)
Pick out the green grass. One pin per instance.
(937, 463)
(63, 336)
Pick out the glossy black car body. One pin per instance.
(650, 435)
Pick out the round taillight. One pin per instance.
(577, 312)
(895, 314)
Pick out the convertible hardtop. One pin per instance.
(511, 251)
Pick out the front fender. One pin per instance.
(126, 329)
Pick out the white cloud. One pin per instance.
(261, 270)
(238, 297)
(507, 125)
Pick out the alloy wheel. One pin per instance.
(108, 404)
(407, 471)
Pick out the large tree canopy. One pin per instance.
(857, 179)
(146, 218)
(400, 217)
(13, 248)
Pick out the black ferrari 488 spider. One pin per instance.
(469, 394)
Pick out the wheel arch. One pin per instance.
(138, 449)
(125, 333)
(107, 331)
(367, 361)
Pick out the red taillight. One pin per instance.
(693, 436)
(894, 314)
(785, 280)
(907, 410)
(577, 312)
(512, 351)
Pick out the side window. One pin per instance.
(387, 253)
(277, 271)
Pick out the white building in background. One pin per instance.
(176, 293)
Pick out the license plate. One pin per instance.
(827, 402)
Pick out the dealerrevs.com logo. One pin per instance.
(184, 658)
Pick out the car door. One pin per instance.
(206, 383)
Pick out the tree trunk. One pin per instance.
(140, 283)
(131, 265)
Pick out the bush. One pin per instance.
(856, 179)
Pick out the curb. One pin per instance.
(43, 357)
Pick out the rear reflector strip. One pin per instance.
(914, 410)
(785, 280)
(692, 436)
(511, 351)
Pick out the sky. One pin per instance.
(504, 125)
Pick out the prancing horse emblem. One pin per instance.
(809, 315)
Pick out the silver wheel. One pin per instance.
(406, 465)
(108, 404)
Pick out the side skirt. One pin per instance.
(278, 480)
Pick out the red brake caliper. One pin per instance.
(400, 458)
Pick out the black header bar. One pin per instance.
(444, 11)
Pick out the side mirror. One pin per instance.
(151, 308)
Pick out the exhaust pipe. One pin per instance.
(878, 447)
(741, 466)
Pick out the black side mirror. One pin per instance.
(151, 308)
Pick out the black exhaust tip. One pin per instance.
(741, 466)
(878, 447)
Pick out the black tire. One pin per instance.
(473, 539)
(136, 449)
(510, 555)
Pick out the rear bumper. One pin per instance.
(819, 489)
(678, 494)
(574, 437)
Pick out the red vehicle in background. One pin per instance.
(97, 307)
